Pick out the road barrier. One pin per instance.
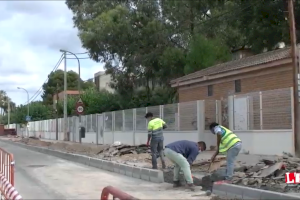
(7, 165)
(7, 176)
(8, 192)
(116, 193)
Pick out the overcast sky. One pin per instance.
(32, 32)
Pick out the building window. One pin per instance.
(237, 86)
(209, 90)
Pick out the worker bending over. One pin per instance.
(227, 142)
(155, 134)
(183, 153)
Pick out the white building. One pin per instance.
(102, 81)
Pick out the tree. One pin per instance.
(205, 53)
(57, 79)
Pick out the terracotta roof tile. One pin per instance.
(239, 64)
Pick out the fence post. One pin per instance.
(260, 111)
(218, 112)
(123, 120)
(104, 127)
(249, 117)
(161, 111)
(178, 116)
(113, 126)
(200, 118)
(231, 112)
(146, 108)
(134, 124)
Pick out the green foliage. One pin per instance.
(56, 82)
(38, 111)
(204, 53)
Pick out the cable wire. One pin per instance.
(78, 58)
(40, 90)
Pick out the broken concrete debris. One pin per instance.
(123, 149)
(268, 174)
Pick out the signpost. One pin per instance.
(79, 107)
(79, 111)
(28, 118)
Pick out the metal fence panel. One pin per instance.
(170, 116)
(141, 122)
(276, 109)
(128, 123)
(210, 112)
(89, 123)
(119, 120)
(94, 123)
(108, 121)
(188, 116)
(84, 121)
(155, 110)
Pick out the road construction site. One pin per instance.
(261, 172)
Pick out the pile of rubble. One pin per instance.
(268, 174)
(123, 149)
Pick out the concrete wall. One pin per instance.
(264, 142)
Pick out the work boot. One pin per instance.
(176, 184)
(191, 186)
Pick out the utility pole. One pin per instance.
(65, 95)
(8, 112)
(56, 113)
(295, 75)
(79, 84)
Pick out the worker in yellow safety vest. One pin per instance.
(227, 142)
(155, 134)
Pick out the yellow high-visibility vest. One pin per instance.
(155, 127)
(228, 140)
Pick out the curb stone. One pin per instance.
(151, 175)
(240, 192)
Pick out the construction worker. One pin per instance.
(227, 142)
(183, 153)
(155, 134)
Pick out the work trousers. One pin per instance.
(232, 153)
(180, 163)
(157, 146)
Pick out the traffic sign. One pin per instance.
(28, 118)
(79, 101)
(79, 107)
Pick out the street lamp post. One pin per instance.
(79, 83)
(20, 88)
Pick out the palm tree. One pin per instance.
(4, 99)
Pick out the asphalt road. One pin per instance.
(40, 176)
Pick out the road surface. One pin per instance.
(40, 176)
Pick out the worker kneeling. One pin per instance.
(183, 153)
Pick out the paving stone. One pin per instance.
(96, 163)
(128, 170)
(145, 173)
(156, 176)
(116, 168)
(122, 169)
(136, 172)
